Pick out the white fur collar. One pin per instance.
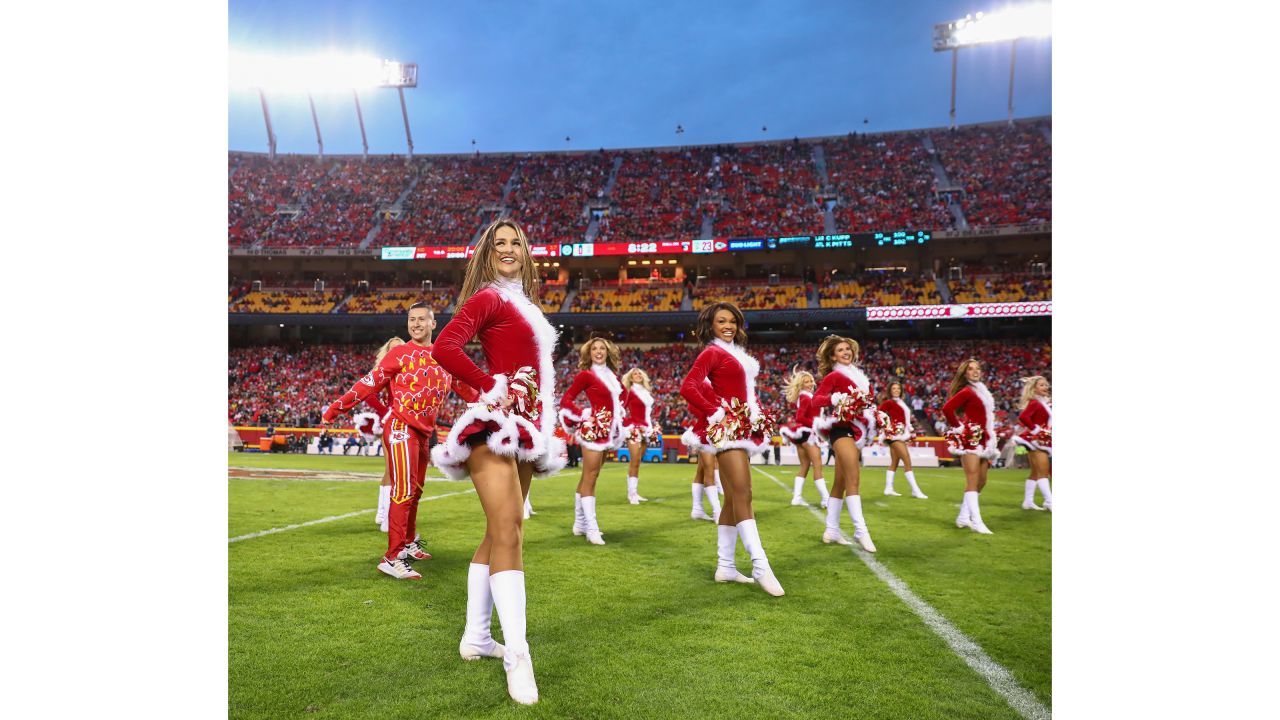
(512, 291)
(750, 368)
(989, 403)
(639, 391)
(608, 378)
(905, 410)
(858, 377)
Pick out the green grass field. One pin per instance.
(636, 628)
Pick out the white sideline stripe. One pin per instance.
(1023, 701)
(335, 517)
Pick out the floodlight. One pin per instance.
(1008, 24)
(1011, 23)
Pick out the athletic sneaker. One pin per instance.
(399, 569)
(414, 550)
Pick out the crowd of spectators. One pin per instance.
(767, 190)
(287, 301)
(884, 183)
(551, 297)
(392, 300)
(628, 299)
(443, 208)
(787, 295)
(290, 387)
(879, 288)
(256, 187)
(549, 198)
(341, 208)
(1005, 287)
(1006, 173)
(881, 183)
(656, 195)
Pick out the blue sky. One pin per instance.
(522, 76)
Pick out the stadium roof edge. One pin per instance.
(657, 148)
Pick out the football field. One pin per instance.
(940, 623)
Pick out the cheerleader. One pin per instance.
(1037, 417)
(384, 490)
(638, 427)
(502, 440)
(973, 439)
(895, 423)
(706, 479)
(598, 429)
(799, 392)
(845, 417)
(733, 427)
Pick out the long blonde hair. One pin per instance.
(386, 348)
(612, 357)
(959, 381)
(480, 269)
(795, 384)
(644, 380)
(1029, 389)
(827, 352)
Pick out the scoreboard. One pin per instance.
(897, 238)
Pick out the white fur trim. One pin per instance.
(545, 335)
(496, 394)
(645, 397)
(752, 447)
(750, 368)
(615, 393)
(799, 436)
(569, 420)
(989, 403)
(716, 416)
(692, 442)
(908, 428)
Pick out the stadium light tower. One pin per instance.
(1011, 24)
(328, 72)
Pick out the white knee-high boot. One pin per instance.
(760, 569)
(975, 514)
(1043, 484)
(860, 533)
(831, 533)
(477, 636)
(1029, 496)
(713, 498)
(509, 600)
(888, 483)
(915, 489)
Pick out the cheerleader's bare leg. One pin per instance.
(737, 485)
(814, 453)
(501, 486)
(797, 493)
(975, 478)
(592, 460)
(633, 474)
(848, 464)
(704, 487)
(1039, 461)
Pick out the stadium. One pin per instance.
(926, 246)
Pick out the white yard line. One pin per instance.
(997, 676)
(331, 518)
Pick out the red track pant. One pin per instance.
(407, 458)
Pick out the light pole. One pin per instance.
(364, 140)
(1007, 25)
(271, 135)
(316, 121)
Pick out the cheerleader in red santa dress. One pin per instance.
(735, 429)
(895, 424)
(799, 392)
(638, 427)
(706, 479)
(1037, 417)
(504, 439)
(846, 419)
(597, 428)
(972, 439)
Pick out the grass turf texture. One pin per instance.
(635, 628)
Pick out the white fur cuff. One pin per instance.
(715, 417)
(497, 393)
